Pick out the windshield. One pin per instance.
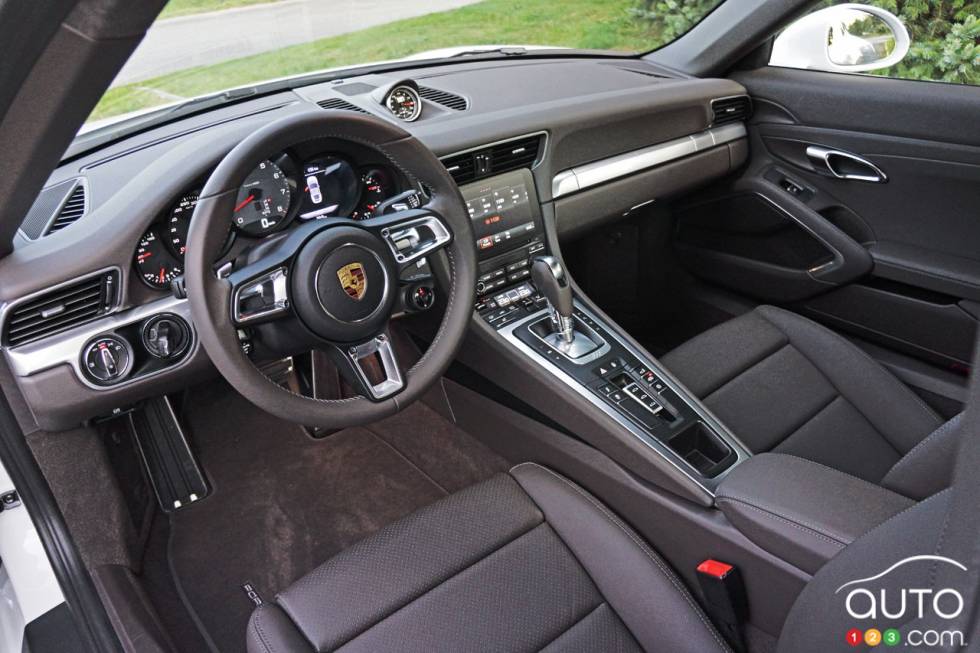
(199, 47)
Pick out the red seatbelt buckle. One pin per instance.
(724, 599)
(715, 569)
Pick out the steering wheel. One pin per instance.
(330, 284)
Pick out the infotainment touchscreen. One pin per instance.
(504, 210)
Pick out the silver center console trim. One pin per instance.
(579, 178)
(601, 346)
(66, 348)
(707, 484)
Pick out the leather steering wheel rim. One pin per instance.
(211, 297)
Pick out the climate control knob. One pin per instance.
(107, 359)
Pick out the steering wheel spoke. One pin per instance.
(260, 295)
(371, 367)
(410, 235)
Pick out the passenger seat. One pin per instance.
(783, 383)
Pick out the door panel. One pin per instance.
(920, 229)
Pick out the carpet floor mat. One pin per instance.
(283, 502)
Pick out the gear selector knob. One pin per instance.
(550, 279)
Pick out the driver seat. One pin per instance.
(525, 561)
(528, 561)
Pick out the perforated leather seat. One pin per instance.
(783, 383)
(526, 561)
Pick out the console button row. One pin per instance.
(502, 276)
(506, 307)
(502, 236)
(649, 378)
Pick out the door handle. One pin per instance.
(844, 165)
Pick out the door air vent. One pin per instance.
(340, 105)
(61, 308)
(731, 109)
(494, 159)
(445, 98)
(72, 210)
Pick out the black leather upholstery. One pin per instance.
(783, 383)
(525, 561)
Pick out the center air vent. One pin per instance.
(494, 159)
(731, 109)
(61, 309)
(340, 105)
(445, 98)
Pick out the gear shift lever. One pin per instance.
(549, 277)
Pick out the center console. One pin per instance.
(523, 296)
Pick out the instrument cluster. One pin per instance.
(279, 191)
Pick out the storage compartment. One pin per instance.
(801, 511)
(749, 226)
(703, 449)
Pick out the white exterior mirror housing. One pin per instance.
(846, 38)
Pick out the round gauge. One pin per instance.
(376, 188)
(263, 200)
(156, 265)
(179, 223)
(404, 102)
(329, 188)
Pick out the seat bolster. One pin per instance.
(271, 631)
(639, 586)
(928, 468)
(895, 411)
(715, 357)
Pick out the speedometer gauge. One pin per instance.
(263, 200)
(179, 223)
(157, 266)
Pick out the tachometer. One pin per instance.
(263, 200)
(179, 223)
(156, 265)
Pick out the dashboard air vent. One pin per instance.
(732, 109)
(71, 211)
(340, 105)
(445, 98)
(493, 160)
(61, 308)
(55, 208)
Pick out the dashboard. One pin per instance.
(573, 135)
(290, 187)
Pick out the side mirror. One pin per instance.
(847, 38)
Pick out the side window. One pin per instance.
(910, 39)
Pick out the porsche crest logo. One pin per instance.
(353, 281)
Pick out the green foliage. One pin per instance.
(671, 19)
(945, 39)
